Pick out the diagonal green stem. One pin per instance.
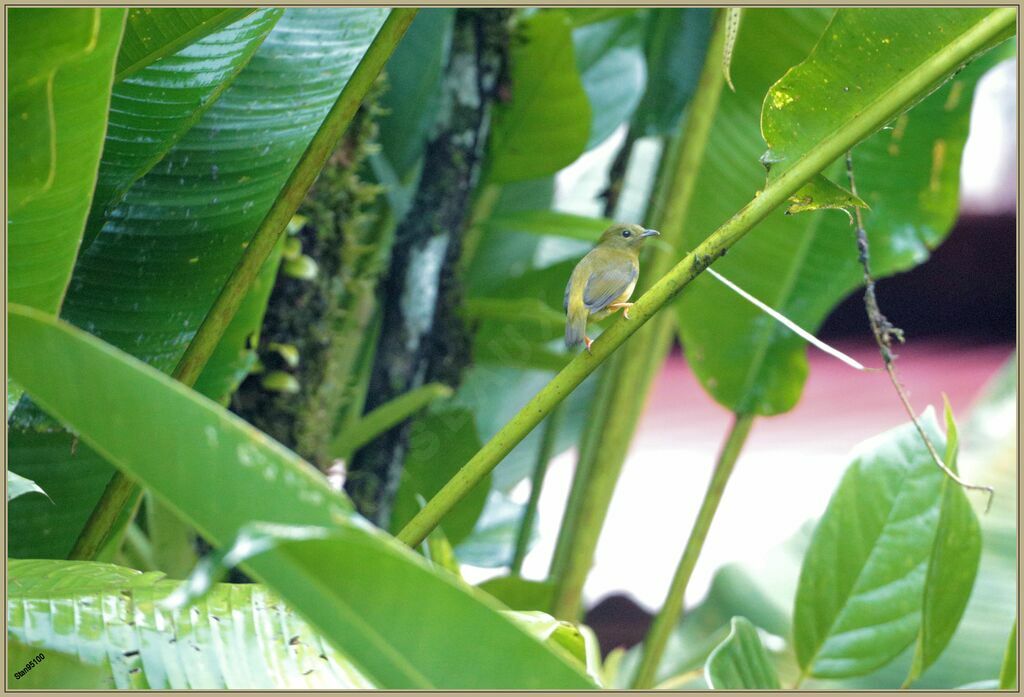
(668, 616)
(863, 124)
(544, 453)
(121, 489)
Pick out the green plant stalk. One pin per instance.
(121, 489)
(588, 441)
(633, 379)
(668, 615)
(386, 416)
(869, 120)
(483, 206)
(1008, 671)
(540, 469)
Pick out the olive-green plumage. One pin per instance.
(603, 280)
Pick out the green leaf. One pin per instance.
(610, 60)
(582, 16)
(545, 222)
(863, 54)
(19, 486)
(741, 661)
(61, 69)
(520, 593)
(762, 589)
(821, 194)
(155, 32)
(14, 393)
(1008, 672)
(113, 620)
(859, 600)
(182, 228)
(804, 265)
(187, 451)
(440, 443)
(955, 555)
(73, 476)
(546, 124)
(62, 671)
(153, 109)
(414, 74)
(576, 641)
(492, 542)
(675, 47)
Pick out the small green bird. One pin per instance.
(603, 280)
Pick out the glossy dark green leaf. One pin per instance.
(71, 474)
(675, 45)
(546, 123)
(19, 486)
(520, 593)
(1008, 671)
(414, 82)
(188, 451)
(741, 662)
(114, 621)
(153, 109)
(610, 59)
(955, 555)
(153, 272)
(803, 265)
(441, 442)
(62, 63)
(155, 32)
(858, 603)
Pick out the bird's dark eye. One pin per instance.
(627, 233)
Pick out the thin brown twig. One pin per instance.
(885, 332)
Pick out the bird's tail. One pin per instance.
(575, 328)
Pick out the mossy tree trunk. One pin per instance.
(324, 303)
(422, 337)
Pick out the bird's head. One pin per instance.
(624, 236)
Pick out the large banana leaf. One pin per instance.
(155, 32)
(149, 278)
(113, 618)
(118, 628)
(802, 265)
(153, 109)
(61, 69)
(343, 576)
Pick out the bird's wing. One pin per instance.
(608, 282)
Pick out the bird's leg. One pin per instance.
(623, 306)
(588, 341)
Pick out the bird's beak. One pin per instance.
(650, 233)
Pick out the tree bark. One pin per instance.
(422, 337)
(324, 318)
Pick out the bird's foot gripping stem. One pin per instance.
(623, 306)
(587, 341)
